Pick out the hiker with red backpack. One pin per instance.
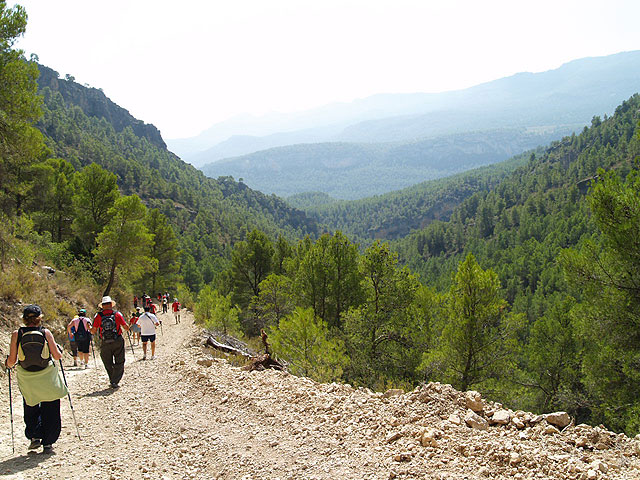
(175, 306)
(33, 347)
(80, 327)
(109, 323)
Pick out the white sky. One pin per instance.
(185, 65)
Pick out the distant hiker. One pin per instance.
(152, 308)
(33, 348)
(135, 328)
(80, 327)
(148, 323)
(109, 323)
(135, 301)
(165, 304)
(175, 307)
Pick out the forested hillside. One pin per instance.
(573, 354)
(356, 170)
(207, 215)
(394, 215)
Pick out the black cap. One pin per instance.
(147, 308)
(31, 311)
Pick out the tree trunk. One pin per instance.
(112, 276)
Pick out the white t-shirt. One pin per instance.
(147, 322)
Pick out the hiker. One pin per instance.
(165, 304)
(109, 323)
(152, 307)
(135, 301)
(175, 306)
(133, 324)
(148, 323)
(32, 347)
(80, 327)
(72, 343)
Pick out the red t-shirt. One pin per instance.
(120, 321)
(152, 307)
(175, 306)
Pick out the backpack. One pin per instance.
(82, 333)
(33, 349)
(109, 327)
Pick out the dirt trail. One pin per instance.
(187, 415)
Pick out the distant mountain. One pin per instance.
(351, 170)
(328, 121)
(569, 95)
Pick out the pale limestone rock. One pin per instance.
(601, 466)
(455, 419)
(550, 430)
(515, 458)
(394, 392)
(592, 474)
(205, 362)
(393, 436)
(428, 438)
(536, 419)
(559, 419)
(582, 442)
(474, 420)
(500, 417)
(474, 401)
(519, 424)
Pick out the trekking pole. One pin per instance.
(95, 363)
(69, 397)
(133, 352)
(13, 446)
(161, 329)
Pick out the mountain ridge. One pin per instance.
(589, 75)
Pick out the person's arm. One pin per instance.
(13, 350)
(56, 354)
(120, 320)
(96, 324)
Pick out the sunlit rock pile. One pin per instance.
(433, 432)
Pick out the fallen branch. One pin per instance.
(213, 343)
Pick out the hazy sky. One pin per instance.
(184, 65)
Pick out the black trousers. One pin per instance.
(112, 354)
(43, 421)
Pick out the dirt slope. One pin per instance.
(187, 415)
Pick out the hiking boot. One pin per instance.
(47, 449)
(35, 444)
(86, 365)
(144, 357)
(115, 385)
(153, 357)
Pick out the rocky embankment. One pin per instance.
(434, 431)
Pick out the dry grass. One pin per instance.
(59, 295)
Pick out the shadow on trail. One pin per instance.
(20, 463)
(99, 393)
